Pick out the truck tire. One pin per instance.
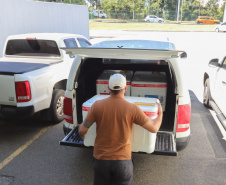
(206, 94)
(57, 105)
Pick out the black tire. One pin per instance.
(160, 21)
(57, 105)
(206, 94)
(103, 17)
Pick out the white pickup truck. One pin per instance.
(34, 72)
(215, 88)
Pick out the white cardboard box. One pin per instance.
(102, 81)
(150, 85)
(141, 139)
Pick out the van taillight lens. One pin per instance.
(183, 117)
(68, 110)
(23, 91)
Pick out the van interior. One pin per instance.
(91, 68)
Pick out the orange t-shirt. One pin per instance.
(114, 118)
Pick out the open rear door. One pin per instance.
(116, 53)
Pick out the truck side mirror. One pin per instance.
(183, 55)
(214, 62)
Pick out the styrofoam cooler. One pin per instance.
(141, 139)
(102, 81)
(150, 85)
(91, 134)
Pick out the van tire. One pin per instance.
(206, 94)
(57, 105)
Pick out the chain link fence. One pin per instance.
(140, 16)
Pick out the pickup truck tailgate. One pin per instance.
(7, 90)
(165, 144)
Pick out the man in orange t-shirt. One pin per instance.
(114, 118)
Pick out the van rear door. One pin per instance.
(119, 53)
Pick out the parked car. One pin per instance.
(206, 20)
(99, 14)
(221, 27)
(153, 18)
(146, 56)
(215, 88)
(34, 72)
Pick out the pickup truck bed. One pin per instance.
(11, 68)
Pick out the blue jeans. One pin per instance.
(113, 172)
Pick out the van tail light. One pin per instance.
(183, 117)
(23, 91)
(68, 117)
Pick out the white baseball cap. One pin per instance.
(117, 82)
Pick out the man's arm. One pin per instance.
(83, 128)
(154, 125)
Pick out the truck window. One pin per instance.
(32, 47)
(83, 42)
(70, 43)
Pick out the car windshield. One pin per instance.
(136, 44)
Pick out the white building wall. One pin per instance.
(21, 16)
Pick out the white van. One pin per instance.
(147, 56)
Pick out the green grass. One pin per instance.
(167, 26)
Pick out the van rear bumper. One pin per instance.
(18, 112)
(165, 143)
(182, 142)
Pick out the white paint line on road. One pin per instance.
(22, 148)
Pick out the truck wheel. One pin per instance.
(206, 94)
(57, 105)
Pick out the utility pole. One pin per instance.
(181, 10)
(149, 4)
(224, 18)
(133, 9)
(178, 11)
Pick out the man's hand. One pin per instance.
(159, 109)
(154, 125)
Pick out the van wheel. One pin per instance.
(57, 105)
(206, 94)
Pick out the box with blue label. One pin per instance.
(150, 85)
